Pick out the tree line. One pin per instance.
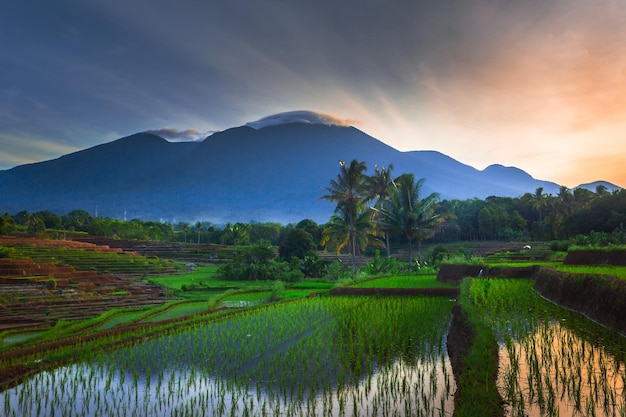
(379, 210)
(569, 215)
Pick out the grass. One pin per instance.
(180, 310)
(312, 285)
(403, 281)
(480, 396)
(202, 274)
(19, 338)
(248, 296)
(123, 317)
(202, 284)
(616, 271)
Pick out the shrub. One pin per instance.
(559, 245)
(277, 291)
(437, 254)
(292, 275)
(6, 252)
(337, 271)
(313, 266)
(381, 265)
(51, 283)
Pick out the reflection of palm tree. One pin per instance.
(406, 213)
(349, 192)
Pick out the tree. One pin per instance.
(35, 224)
(185, 228)
(234, 234)
(339, 233)
(378, 187)
(297, 243)
(256, 262)
(312, 228)
(7, 225)
(404, 212)
(50, 220)
(199, 229)
(76, 220)
(350, 193)
(539, 202)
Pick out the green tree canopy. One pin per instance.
(297, 243)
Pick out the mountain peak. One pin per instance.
(300, 116)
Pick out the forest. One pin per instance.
(580, 216)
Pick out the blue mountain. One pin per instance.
(273, 172)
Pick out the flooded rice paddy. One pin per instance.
(329, 356)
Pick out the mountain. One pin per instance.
(258, 172)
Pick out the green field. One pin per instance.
(404, 281)
(616, 271)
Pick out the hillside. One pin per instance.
(273, 173)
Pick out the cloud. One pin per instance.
(475, 79)
(301, 116)
(24, 149)
(175, 135)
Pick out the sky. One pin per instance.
(535, 84)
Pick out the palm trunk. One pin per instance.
(387, 244)
(353, 245)
(419, 250)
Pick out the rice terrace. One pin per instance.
(330, 350)
(383, 311)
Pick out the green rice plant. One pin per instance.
(550, 357)
(321, 356)
(403, 281)
(616, 271)
(477, 384)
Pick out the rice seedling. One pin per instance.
(552, 361)
(323, 356)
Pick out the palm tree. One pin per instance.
(235, 233)
(185, 229)
(339, 234)
(349, 192)
(199, 229)
(539, 202)
(406, 213)
(378, 187)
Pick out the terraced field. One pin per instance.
(44, 281)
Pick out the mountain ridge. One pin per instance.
(276, 173)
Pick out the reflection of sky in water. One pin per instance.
(258, 366)
(81, 390)
(553, 362)
(555, 372)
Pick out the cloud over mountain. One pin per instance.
(174, 135)
(301, 116)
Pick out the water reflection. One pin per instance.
(553, 372)
(553, 362)
(317, 358)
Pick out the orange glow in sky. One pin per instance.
(535, 84)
